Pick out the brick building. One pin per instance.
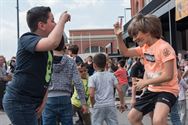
(175, 29)
(136, 6)
(93, 40)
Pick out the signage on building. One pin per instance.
(181, 9)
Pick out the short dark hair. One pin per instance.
(145, 24)
(61, 45)
(100, 60)
(81, 65)
(121, 62)
(74, 49)
(37, 14)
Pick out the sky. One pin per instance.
(85, 14)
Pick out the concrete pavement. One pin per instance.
(122, 117)
(4, 119)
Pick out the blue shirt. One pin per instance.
(32, 73)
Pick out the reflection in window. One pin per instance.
(94, 49)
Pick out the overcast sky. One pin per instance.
(85, 14)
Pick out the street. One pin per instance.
(122, 117)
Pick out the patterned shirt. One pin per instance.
(65, 73)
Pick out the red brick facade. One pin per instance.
(136, 6)
(96, 39)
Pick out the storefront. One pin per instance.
(175, 31)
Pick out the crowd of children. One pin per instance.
(87, 88)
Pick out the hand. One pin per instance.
(122, 108)
(85, 109)
(117, 29)
(39, 111)
(133, 102)
(6, 78)
(65, 17)
(139, 84)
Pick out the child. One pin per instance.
(26, 94)
(73, 53)
(101, 89)
(121, 75)
(160, 69)
(182, 97)
(84, 118)
(58, 104)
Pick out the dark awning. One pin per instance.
(151, 7)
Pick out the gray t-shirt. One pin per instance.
(104, 83)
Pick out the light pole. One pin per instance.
(125, 12)
(18, 27)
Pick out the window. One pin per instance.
(94, 49)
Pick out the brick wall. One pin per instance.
(92, 37)
(136, 6)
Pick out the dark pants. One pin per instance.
(60, 107)
(2, 91)
(85, 119)
(20, 113)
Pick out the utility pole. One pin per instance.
(18, 26)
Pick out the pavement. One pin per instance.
(4, 119)
(122, 117)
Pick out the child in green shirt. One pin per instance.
(84, 118)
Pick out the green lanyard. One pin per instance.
(49, 67)
(86, 95)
